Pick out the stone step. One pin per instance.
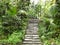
(26, 44)
(31, 33)
(36, 40)
(29, 30)
(33, 21)
(32, 30)
(28, 39)
(32, 37)
(31, 42)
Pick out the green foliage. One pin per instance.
(14, 17)
(23, 4)
(56, 18)
(16, 37)
(47, 32)
(49, 26)
(13, 22)
(10, 24)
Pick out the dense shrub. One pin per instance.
(49, 26)
(13, 22)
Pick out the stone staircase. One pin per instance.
(32, 37)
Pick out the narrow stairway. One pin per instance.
(32, 37)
